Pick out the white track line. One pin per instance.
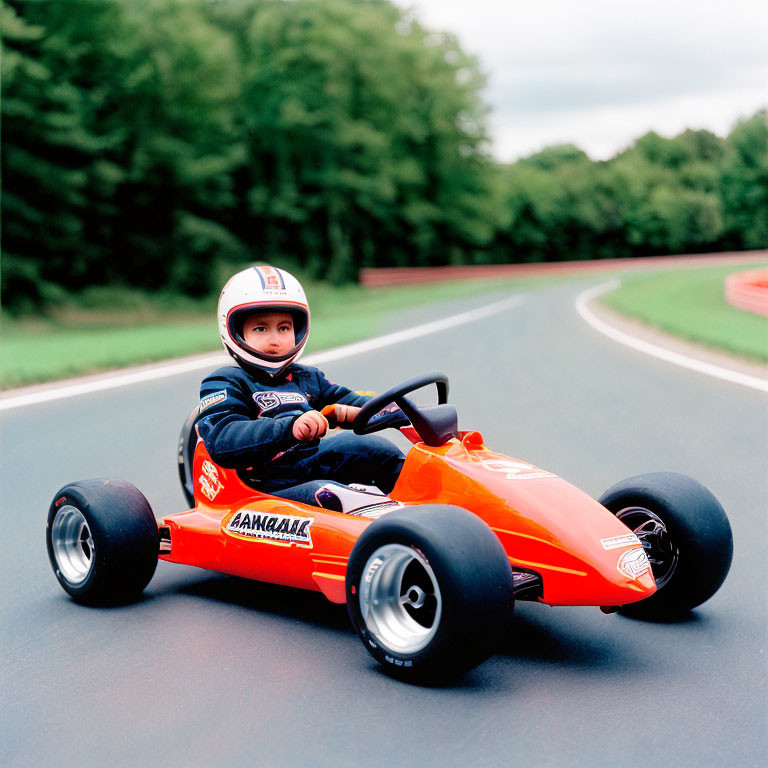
(163, 370)
(414, 333)
(718, 372)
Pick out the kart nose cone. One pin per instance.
(627, 579)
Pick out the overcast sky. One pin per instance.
(600, 74)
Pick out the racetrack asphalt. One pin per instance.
(213, 670)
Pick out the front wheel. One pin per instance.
(429, 591)
(685, 534)
(102, 540)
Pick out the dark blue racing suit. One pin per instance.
(246, 422)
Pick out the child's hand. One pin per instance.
(340, 415)
(310, 425)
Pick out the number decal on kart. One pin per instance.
(209, 481)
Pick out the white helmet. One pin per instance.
(262, 289)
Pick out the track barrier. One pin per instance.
(748, 291)
(384, 276)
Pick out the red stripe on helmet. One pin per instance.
(271, 278)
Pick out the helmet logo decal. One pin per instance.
(271, 279)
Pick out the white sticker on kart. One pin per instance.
(634, 563)
(272, 527)
(516, 470)
(625, 540)
(210, 485)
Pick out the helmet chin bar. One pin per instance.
(259, 369)
(287, 358)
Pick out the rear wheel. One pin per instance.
(102, 540)
(685, 534)
(185, 455)
(429, 591)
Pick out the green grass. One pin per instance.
(690, 303)
(107, 328)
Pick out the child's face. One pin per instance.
(270, 333)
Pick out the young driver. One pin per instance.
(263, 415)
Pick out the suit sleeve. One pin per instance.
(231, 434)
(330, 392)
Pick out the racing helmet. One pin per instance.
(265, 289)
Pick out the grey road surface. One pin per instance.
(211, 670)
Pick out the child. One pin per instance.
(263, 415)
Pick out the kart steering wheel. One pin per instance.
(435, 424)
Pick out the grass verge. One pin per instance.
(110, 329)
(106, 328)
(690, 303)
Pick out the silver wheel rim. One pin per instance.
(400, 599)
(662, 554)
(72, 544)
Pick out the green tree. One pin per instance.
(365, 138)
(119, 142)
(45, 150)
(744, 183)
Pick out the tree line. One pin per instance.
(153, 143)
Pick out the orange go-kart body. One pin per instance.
(576, 550)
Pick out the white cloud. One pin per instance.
(599, 73)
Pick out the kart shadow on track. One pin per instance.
(533, 639)
(309, 608)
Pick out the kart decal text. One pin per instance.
(272, 526)
(516, 470)
(216, 397)
(634, 563)
(210, 486)
(268, 401)
(625, 540)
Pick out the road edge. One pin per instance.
(672, 349)
(97, 382)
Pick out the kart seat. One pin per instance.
(357, 500)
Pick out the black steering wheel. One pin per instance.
(435, 424)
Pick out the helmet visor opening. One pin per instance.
(236, 325)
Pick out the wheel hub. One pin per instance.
(662, 554)
(73, 547)
(400, 599)
(414, 596)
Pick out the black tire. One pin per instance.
(443, 590)
(102, 541)
(185, 455)
(685, 533)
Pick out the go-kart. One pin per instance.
(429, 573)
